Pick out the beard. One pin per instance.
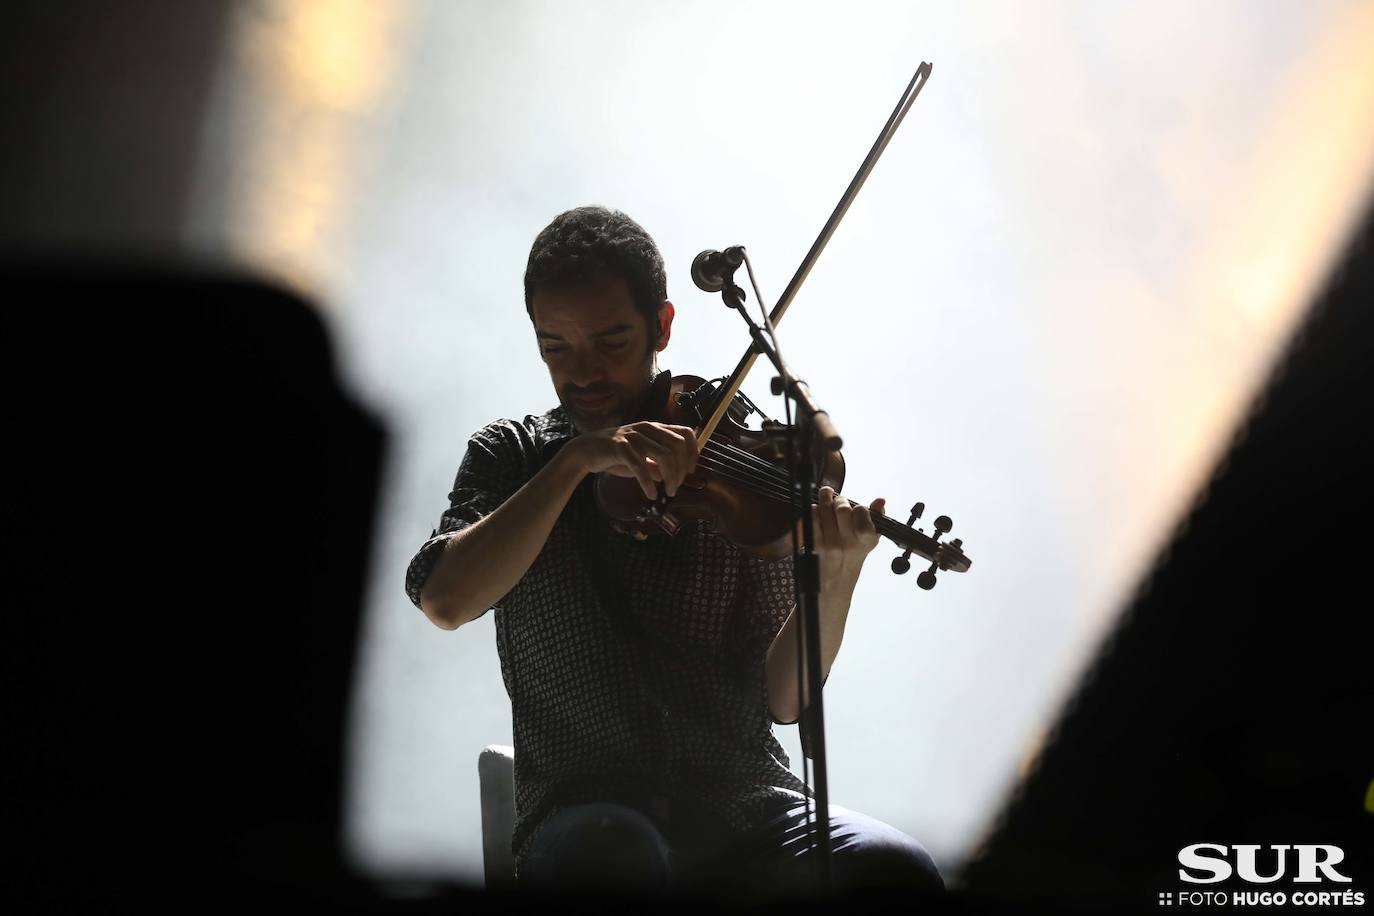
(619, 404)
(611, 412)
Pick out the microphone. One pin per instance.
(712, 268)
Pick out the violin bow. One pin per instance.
(894, 120)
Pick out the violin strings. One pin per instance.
(747, 478)
(744, 461)
(768, 489)
(754, 472)
(720, 456)
(748, 458)
(755, 481)
(728, 448)
(774, 486)
(766, 470)
(748, 464)
(762, 488)
(765, 473)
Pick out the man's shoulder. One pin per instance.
(530, 434)
(551, 425)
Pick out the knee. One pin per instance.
(871, 854)
(894, 863)
(598, 846)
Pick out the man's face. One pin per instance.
(593, 340)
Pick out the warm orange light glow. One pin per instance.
(1277, 225)
(308, 73)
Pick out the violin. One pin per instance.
(741, 485)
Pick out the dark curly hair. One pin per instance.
(585, 242)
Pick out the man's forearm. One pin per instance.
(781, 664)
(484, 561)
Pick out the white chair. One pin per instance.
(496, 775)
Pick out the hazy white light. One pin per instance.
(1043, 316)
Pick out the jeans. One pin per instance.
(612, 846)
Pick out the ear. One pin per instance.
(665, 325)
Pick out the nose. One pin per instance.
(585, 371)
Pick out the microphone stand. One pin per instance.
(811, 424)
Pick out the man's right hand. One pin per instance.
(645, 450)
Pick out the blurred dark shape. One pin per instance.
(102, 110)
(1232, 704)
(191, 494)
(191, 504)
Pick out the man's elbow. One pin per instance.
(440, 613)
(781, 710)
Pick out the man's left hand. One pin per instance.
(845, 536)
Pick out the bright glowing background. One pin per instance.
(1043, 316)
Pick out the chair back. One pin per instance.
(496, 774)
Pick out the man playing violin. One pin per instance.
(645, 675)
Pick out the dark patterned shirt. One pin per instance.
(635, 668)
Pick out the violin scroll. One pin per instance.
(942, 555)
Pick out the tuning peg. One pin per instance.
(901, 565)
(926, 580)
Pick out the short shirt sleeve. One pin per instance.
(493, 468)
